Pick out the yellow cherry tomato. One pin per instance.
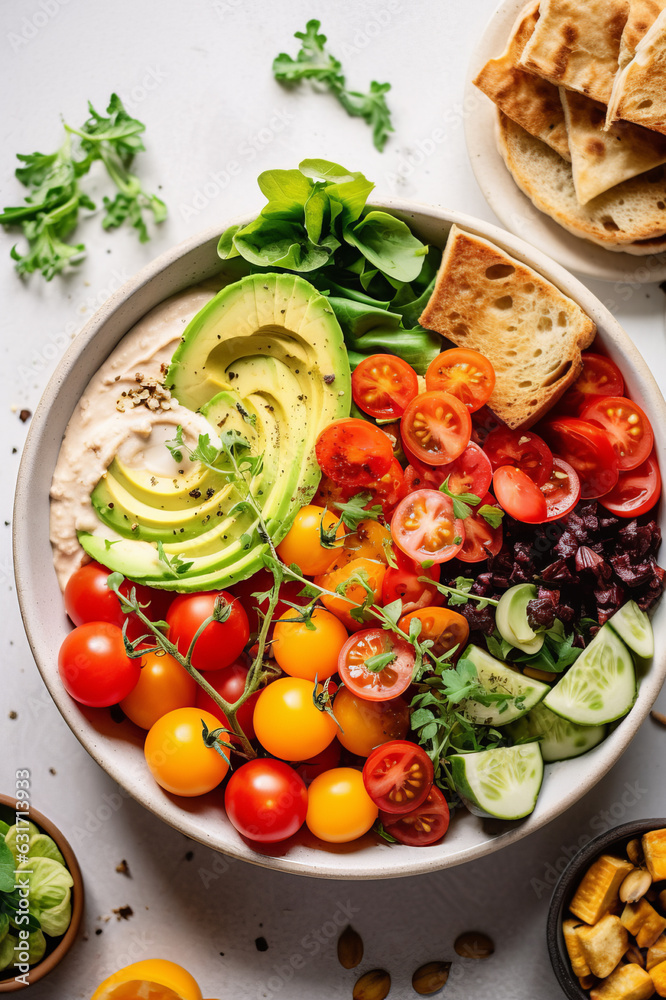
(371, 540)
(355, 593)
(302, 543)
(339, 808)
(177, 756)
(288, 724)
(309, 652)
(157, 979)
(163, 686)
(365, 724)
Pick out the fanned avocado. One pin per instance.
(265, 358)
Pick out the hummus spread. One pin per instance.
(124, 410)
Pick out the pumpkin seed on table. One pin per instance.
(373, 985)
(474, 944)
(430, 978)
(350, 948)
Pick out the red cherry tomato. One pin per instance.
(463, 373)
(266, 800)
(221, 642)
(398, 776)
(626, 426)
(636, 491)
(88, 599)
(436, 427)
(363, 671)
(404, 583)
(383, 385)
(523, 449)
(94, 667)
(600, 377)
(424, 528)
(471, 472)
(588, 450)
(562, 491)
(230, 683)
(422, 826)
(481, 538)
(320, 763)
(519, 495)
(483, 422)
(353, 452)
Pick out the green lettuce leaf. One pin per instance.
(56, 919)
(42, 846)
(49, 883)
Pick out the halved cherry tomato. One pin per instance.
(353, 452)
(562, 491)
(404, 583)
(398, 776)
(230, 683)
(302, 543)
(585, 447)
(519, 495)
(482, 539)
(636, 491)
(436, 427)
(376, 665)
(600, 376)
(383, 385)
(626, 426)
(446, 629)
(365, 724)
(347, 577)
(424, 527)
(389, 490)
(464, 373)
(422, 826)
(523, 449)
(471, 472)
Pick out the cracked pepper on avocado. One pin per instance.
(366, 522)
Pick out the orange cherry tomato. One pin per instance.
(177, 756)
(287, 722)
(163, 686)
(447, 629)
(302, 543)
(137, 980)
(311, 653)
(367, 724)
(339, 808)
(371, 572)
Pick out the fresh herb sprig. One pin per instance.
(314, 62)
(463, 503)
(460, 594)
(50, 212)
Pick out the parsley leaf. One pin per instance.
(176, 444)
(492, 514)
(174, 563)
(462, 502)
(377, 663)
(460, 594)
(314, 62)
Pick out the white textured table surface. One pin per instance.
(198, 74)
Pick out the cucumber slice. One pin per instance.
(633, 626)
(511, 618)
(504, 782)
(559, 738)
(600, 686)
(496, 677)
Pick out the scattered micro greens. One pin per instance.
(460, 594)
(314, 62)
(463, 503)
(174, 564)
(352, 513)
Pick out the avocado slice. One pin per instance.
(267, 358)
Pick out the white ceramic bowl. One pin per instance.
(118, 747)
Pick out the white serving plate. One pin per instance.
(513, 208)
(118, 747)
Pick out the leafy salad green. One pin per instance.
(376, 273)
(40, 876)
(51, 209)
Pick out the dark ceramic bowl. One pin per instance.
(614, 840)
(57, 948)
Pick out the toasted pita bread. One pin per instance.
(527, 99)
(619, 219)
(642, 15)
(576, 44)
(639, 91)
(528, 329)
(602, 158)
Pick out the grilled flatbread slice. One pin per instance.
(527, 99)
(528, 329)
(619, 219)
(600, 158)
(642, 15)
(639, 91)
(576, 44)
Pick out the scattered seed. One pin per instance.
(189, 855)
(13, 714)
(373, 985)
(261, 943)
(25, 415)
(350, 948)
(635, 852)
(52, 770)
(658, 717)
(124, 912)
(474, 944)
(431, 978)
(123, 869)
(635, 885)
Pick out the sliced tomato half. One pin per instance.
(446, 629)
(422, 826)
(383, 385)
(466, 374)
(636, 491)
(398, 776)
(585, 447)
(402, 582)
(519, 495)
(376, 665)
(424, 528)
(482, 539)
(436, 427)
(353, 452)
(626, 425)
(562, 491)
(523, 449)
